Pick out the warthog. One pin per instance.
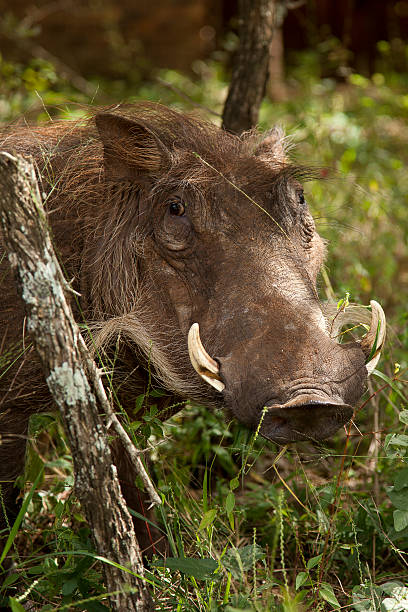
(179, 236)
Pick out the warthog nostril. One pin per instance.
(306, 417)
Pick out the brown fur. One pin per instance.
(242, 261)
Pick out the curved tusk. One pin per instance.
(203, 364)
(373, 342)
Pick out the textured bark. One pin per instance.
(250, 71)
(72, 379)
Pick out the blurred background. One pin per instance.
(129, 40)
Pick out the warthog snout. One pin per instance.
(290, 381)
(307, 417)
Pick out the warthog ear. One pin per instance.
(130, 149)
(272, 148)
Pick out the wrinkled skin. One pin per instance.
(253, 292)
(162, 221)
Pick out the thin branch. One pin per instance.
(134, 457)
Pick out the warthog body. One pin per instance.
(162, 222)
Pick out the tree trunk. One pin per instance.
(276, 86)
(250, 71)
(73, 380)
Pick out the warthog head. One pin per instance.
(198, 238)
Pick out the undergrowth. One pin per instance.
(252, 526)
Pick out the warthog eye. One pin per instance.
(177, 208)
(301, 198)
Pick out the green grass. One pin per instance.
(251, 527)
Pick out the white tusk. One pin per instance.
(203, 364)
(373, 342)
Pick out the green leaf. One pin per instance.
(230, 502)
(403, 417)
(10, 579)
(157, 393)
(401, 479)
(207, 519)
(395, 588)
(138, 403)
(400, 519)
(69, 586)
(391, 383)
(34, 466)
(153, 410)
(367, 598)
(60, 463)
(239, 560)
(397, 440)
(314, 561)
(398, 602)
(326, 591)
(400, 440)
(15, 605)
(399, 498)
(301, 578)
(389, 604)
(35, 570)
(134, 426)
(234, 484)
(198, 568)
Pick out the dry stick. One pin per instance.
(134, 456)
(65, 362)
(128, 446)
